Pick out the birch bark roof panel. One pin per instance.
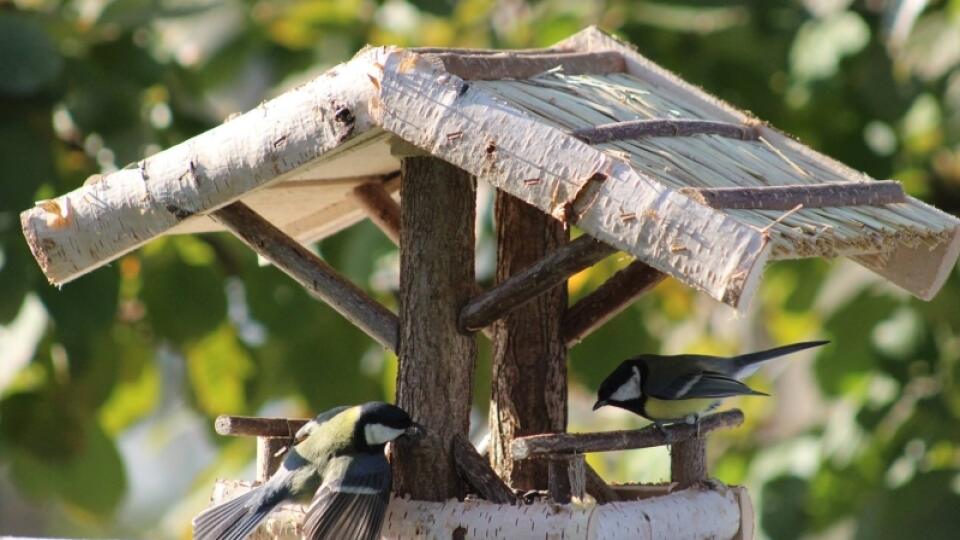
(297, 158)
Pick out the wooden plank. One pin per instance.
(808, 195)
(435, 376)
(609, 299)
(510, 65)
(609, 441)
(316, 276)
(251, 426)
(529, 360)
(477, 472)
(380, 207)
(550, 271)
(635, 129)
(688, 462)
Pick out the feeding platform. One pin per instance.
(586, 133)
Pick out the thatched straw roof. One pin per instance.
(516, 123)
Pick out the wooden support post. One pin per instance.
(529, 382)
(383, 211)
(688, 461)
(477, 472)
(598, 307)
(567, 478)
(316, 276)
(435, 378)
(598, 488)
(550, 271)
(268, 459)
(609, 441)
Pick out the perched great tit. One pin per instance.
(669, 389)
(338, 459)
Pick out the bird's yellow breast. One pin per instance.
(663, 410)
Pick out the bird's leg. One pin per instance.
(694, 419)
(658, 425)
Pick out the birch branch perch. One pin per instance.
(523, 66)
(809, 195)
(477, 472)
(609, 299)
(609, 441)
(311, 272)
(532, 281)
(635, 129)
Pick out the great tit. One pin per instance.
(338, 458)
(669, 389)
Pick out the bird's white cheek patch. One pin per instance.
(380, 434)
(628, 390)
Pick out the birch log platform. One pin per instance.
(681, 515)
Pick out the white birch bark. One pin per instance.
(682, 515)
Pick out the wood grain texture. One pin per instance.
(604, 303)
(609, 441)
(476, 471)
(525, 285)
(567, 478)
(809, 195)
(309, 270)
(435, 378)
(529, 381)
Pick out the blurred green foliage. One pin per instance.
(870, 448)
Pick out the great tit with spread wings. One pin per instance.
(338, 458)
(670, 389)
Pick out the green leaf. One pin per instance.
(925, 508)
(183, 302)
(29, 60)
(219, 367)
(783, 514)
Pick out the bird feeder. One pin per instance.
(587, 133)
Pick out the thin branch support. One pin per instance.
(239, 426)
(809, 195)
(618, 292)
(635, 129)
(530, 282)
(566, 478)
(609, 441)
(476, 471)
(269, 455)
(598, 488)
(380, 207)
(311, 272)
(509, 65)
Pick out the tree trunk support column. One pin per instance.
(688, 462)
(435, 377)
(529, 356)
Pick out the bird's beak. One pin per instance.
(600, 403)
(415, 432)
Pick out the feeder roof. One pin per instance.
(526, 122)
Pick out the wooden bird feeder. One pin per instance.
(587, 133)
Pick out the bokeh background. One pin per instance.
(109, 387)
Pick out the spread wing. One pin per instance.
(703, 384)
(352, 501)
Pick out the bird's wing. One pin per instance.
(236, 518)
(352, 501)
(702, 384)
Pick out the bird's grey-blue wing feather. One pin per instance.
(352, 501)
(703, 384)
(236, 518)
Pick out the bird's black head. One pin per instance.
(380, 423)
(623, 388)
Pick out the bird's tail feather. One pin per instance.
(747, 363)
(232, 520)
